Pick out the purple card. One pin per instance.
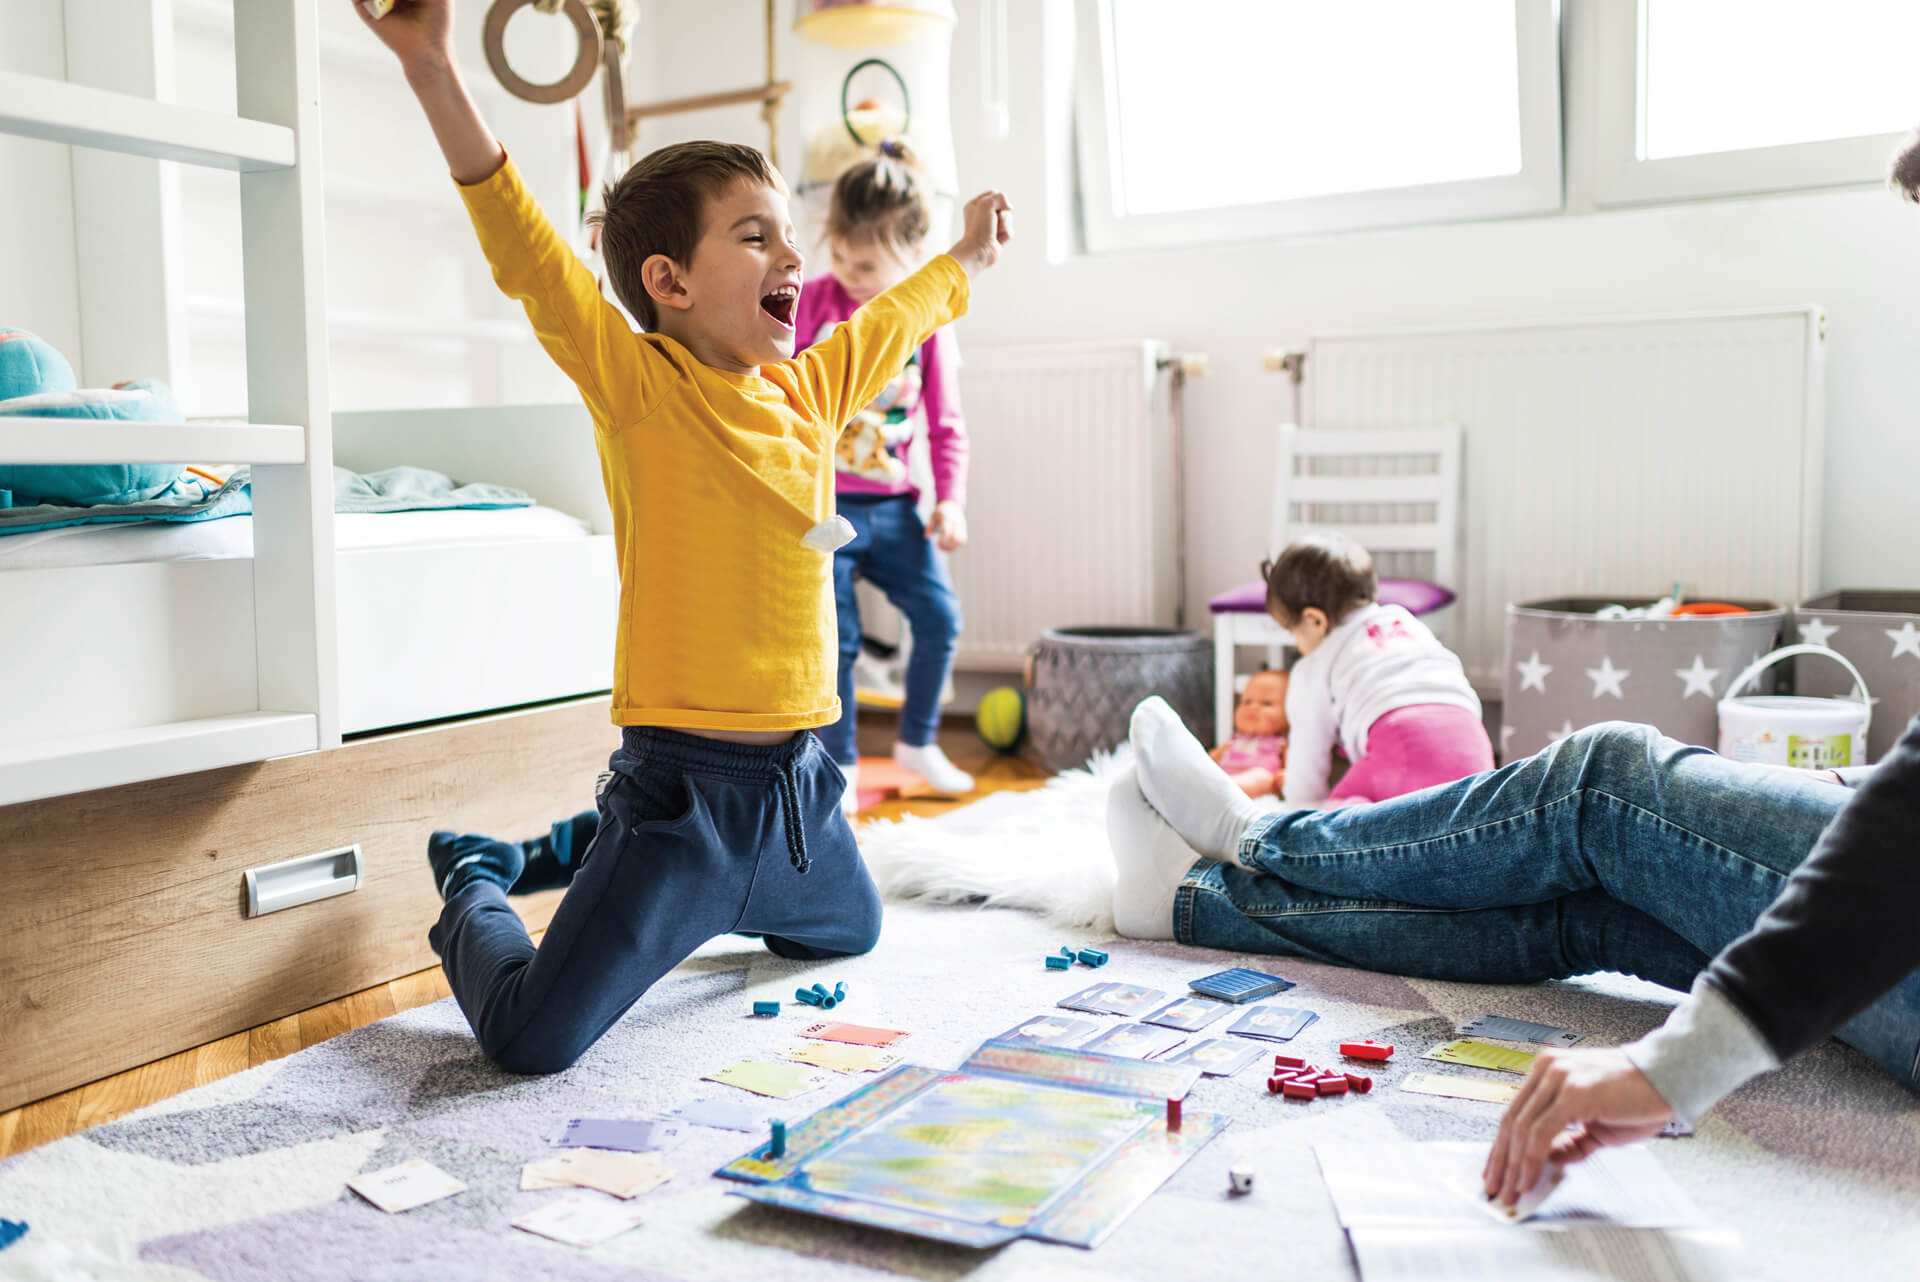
(1087, 999)
(1189, 1013)
(630, 1135)
(1217, 1056)
(1135, 1041)
(1050, 1030)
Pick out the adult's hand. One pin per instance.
(1600, 1094)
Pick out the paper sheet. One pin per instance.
(1438, 1184)
(1408, 1254)
(1460, 1087)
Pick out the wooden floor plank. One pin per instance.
(61, 1115)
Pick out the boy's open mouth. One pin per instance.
(780, 304)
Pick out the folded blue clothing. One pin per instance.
(396, 489)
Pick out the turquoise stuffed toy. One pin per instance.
(35, 379)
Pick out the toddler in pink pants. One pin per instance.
(1371, 678)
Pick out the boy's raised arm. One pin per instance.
(585, 334)
(853, 365)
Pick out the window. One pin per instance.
(1234, 119)
(1722, 97)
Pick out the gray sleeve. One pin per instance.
(1704, 1050)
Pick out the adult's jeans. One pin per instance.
(1614, 849)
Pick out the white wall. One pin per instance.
(1854, 252)
(39, 282)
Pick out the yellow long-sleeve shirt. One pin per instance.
(726, 617)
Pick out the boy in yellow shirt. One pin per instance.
(722, 812)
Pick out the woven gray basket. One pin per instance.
(1085, 682)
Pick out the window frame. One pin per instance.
(1621, 178)
(1536, 189)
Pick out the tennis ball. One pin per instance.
(1001, 718)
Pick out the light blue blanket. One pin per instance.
(397, 489)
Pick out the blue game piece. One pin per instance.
(777, 1147)
(1067, 953)
(766, 1008)
(840, 991)
(1093, 957)
(11, 1231)
(806, 995)
(1056, 962)
(1239, 985)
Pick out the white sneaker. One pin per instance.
(931, 764)
(850, 799)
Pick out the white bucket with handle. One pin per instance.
(1795, 730)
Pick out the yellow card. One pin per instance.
(622, 1174)
(1460, 1088)
(778, 1081)
(842, 1059)
(1464, 1050)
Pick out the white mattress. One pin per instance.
(233, 536)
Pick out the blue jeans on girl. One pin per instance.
(891, 550)
(1615, 849)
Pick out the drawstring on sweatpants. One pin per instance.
(790, 807)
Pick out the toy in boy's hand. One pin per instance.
(377, 9)
(989, 225)
(1255, 753)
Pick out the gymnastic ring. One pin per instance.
(494, 34)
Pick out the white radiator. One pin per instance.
(1607, 458)
(1072, 501)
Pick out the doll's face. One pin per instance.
(1263, 705)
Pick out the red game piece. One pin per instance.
(1360, 1082)
(1331, 1086)
(1289, 1061)
(1273, 1085)
(1298, 1090)
(1366, 1050)
(1173, 1114)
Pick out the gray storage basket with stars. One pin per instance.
(1566, 669)
(1879, 631)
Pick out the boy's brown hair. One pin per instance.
(659, 207)
(1327, 572)
(1904, 173)
(881, 199)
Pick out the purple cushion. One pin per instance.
(1416, 596)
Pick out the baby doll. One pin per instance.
(1259, 740)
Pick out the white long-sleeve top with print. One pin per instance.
(1375, 660)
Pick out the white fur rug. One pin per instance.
(1046, 850)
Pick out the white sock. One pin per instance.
(850, 799)
(1150, 859)
(1185, 785)
(931, 764)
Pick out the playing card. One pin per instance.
(1085, 999)
(1503, 1029)
(579, 1219)
(1482, 1055)
(842, 1058)
(1189, 1013)
(624, 1175)
(1217, 1056)
(403, 1187)
(780, 1081)
(1050, 1030)
(1240, 985)
(854, 1034)
(723, 1114)
(1135, 1041)
(1128, 999)
(632, 1135)
(1474, 1088)
(1272, 1023)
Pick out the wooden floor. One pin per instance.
(108, 1098)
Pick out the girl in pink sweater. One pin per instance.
(876, 226)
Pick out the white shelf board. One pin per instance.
(54, 768)
(42, 107)
(26, 439)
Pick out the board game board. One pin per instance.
(1019, 1141)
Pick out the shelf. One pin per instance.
(53, 768)
(41, 107)
(72, 440)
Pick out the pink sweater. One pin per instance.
(871, 456)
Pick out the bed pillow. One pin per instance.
(85, 485)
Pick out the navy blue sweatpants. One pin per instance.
(697, 838)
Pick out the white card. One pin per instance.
(579, 1219)
(403, 1187)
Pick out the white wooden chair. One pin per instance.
(1396, 493)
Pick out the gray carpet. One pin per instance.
(1817, 1167)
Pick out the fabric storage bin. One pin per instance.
(1879, 632)
(1566, 669)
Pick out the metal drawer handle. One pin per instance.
(293, 882)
